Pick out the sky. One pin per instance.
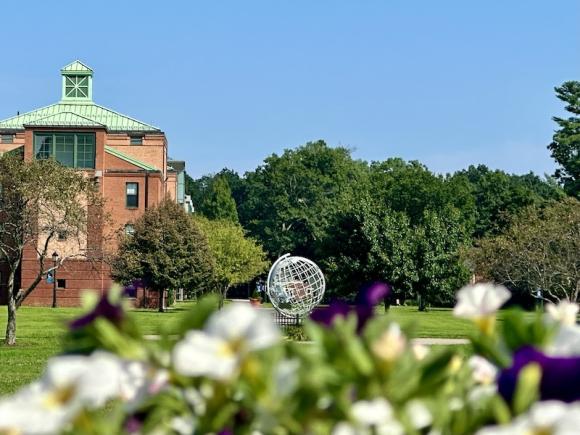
(448, 83)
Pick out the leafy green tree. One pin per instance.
(369, 244)
(219, 203)
(40, 199)
(291, 199)
(200, 189)
(168, 250)
(539, 250)
(410, 187)
(498, 195)
(565, 146)
(438, 245)
(238, 258)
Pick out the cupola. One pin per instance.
(77, 83)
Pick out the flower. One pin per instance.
(551, 417)
(560, 375)
(391, 344)
(419, 415)
(114, 313)
(566, 342)
(420, 351)
(565, 312)
(69, 383)
(216, 352)
(368, 296)
(373, 293)
(376, 414)
(480, 300)
(483, 371)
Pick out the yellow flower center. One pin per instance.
(59, 397)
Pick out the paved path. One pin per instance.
(440, 341)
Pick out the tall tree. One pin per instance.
(39, 200)
(438, 245)
(498, 195)
(290, 199)
(238, 258)
(168, 250)
(219, 203)
(539, 250)
(565, 146)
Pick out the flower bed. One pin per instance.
(231, 371)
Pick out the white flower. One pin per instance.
(553, 417)
(217, 351)
(565, 312)
(480, 393)
(183, 425)
(69, 384)
(286, 377)
(139, 380)
(480, 300)
(241, 322)
(377, 414)
(420, 351)
(419, 414)
(391, 344)
(483, 371)
(372, 412)
(566, 342)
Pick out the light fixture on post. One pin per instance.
(54, 261)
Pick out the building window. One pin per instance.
(76, 86)
(61, 284)
(129, 229)
(7, 138)
(136, 140)
(62, 235)
(75, 150)
(132, 191)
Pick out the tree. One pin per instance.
(438, 244)
(498, 195)
(238, 259)
(539, 250)
(168, 250)
(565, 146)
(219, 203)
(39, 200)
(291, 199)
(200, 189)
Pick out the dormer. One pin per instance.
(77, 83)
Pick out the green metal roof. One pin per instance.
(76, 67)
(77, 111)
(77, 115)
(64, 119)
(129, 159)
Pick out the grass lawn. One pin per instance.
(39, 331)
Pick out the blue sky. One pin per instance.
(449, 83)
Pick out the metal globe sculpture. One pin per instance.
(295, 285)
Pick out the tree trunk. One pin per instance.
(11, 324)
(421, 302)
(161, 294)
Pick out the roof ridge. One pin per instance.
(129, 159)
(126, 116)
(68, 112)
(28, 113)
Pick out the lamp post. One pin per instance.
(54, 260)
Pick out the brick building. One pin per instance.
(126, 157)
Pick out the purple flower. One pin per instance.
(368, 296)
(327, 315)
(105, 309)
(373, 293)
(560, 375)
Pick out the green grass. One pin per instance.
(39, 331)
(435, 323)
